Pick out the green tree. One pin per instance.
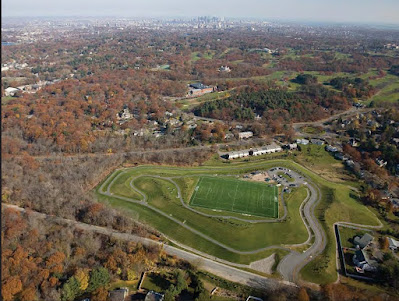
(203, 296)
(71, 289)
(181, 283)
(98, 278)
(170, 293)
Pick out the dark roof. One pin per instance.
(198, 86)
(363, 241)
(360, 255)
(153, 296)
(117, 295)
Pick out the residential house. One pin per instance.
(339, 156)
(229, 136)
(154, 296)
(10, 91)
(350, 163)
(317, 141)
(363, 241)
(363, 262)
(380, 162)
(302, 141)
(224, 69)
(393, 244)
(353, 142)
(118, 294)
(124, 115)
(331, 148)
(245, 135)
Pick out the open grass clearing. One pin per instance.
(339, 203)
(312, 130)
(237, 234)
(316, 158)
(347, 235)
(236, 196)
(189, 103)
(131, 285)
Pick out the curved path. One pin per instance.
(291, 264)
(184, 204)
(144, 203)
(223, 270)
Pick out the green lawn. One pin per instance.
(316, 158)
(312, 130)
(131, 285)
(156, 282)
(347, 234)
(240, 235)
(388, 87)
(339, 203)
(189, 103)
(236, 195)
(5, 99)
(196, 55)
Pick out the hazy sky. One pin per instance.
(364, 11)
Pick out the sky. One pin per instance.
(340, 11)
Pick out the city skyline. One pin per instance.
(352, 11)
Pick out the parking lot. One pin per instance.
(286, 177)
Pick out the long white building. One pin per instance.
(267, 149)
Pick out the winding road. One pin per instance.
(290, 265)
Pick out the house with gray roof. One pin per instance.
(363, 241)
(393, 244)
(154, 296)
(363, 262)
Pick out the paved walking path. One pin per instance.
(292, 263)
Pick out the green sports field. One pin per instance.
(237, 196)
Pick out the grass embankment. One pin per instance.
(236, 234)
(239, 235)
(338, 204)
(347, 234)
(188, 103)
(317, 159)
(388, 87)
(312, 130)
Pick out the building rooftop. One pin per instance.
(363, 241)
(153, 296)
(198, 86)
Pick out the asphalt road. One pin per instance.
(171, 217)
(290, 266)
